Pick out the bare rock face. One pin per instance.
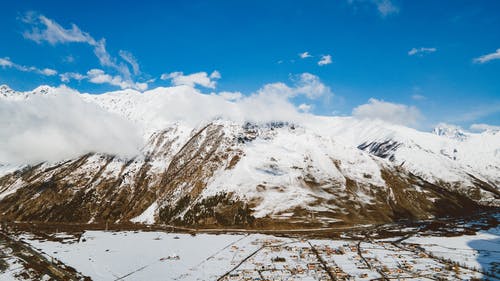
(225, 174)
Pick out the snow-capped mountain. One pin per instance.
(450, 131)
(205, 162)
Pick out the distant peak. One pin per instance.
(5, 88)
(450, 131)
(42, 89)
(6, 91)
(485, 128)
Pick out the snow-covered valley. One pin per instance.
(410, 253)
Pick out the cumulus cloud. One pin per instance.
(311, 86)
(172, 103)
(61, 126)
(305, 107)
(421, 51)
(99, 76)
(326, 59)
(305, 55)
(305, 84)
(68, 76)
(215, 75)
(44, 29)
(199, 78)
(272, 102)
(232, 96)
(488, 57)
(483, 127)
(64, 124)
(389, 112)
(48, 72)
(7, 63)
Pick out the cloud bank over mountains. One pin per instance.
(388, 112)
(61, 125)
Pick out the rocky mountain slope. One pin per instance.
(310, 171)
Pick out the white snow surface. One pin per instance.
(480, 251)
(169, 256)
(149, 255)
(147, 217)
(278, 165)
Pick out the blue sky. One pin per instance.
(452, 75)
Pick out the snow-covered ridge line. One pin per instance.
(262, 161)
(159, 108)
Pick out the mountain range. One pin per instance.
(219, 162)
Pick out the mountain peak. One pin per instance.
(450, 131)
(5, 89)
(42, 89)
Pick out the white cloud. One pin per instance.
(61, 126)
(141, 86)
(69, 59)
(421, 51)
(48, 72)
(215, 75)
(232, 96)
(105, 59)
(418, 97)
(488, 57)
(44, 29)
(7, 63)
(478, 112)
(484, 127)
(305, 84)
(305, 55)
(304, 107)
(326, 59)
(272, 102)
(311, 86)
(198, 78)
(384, 7)
(67, 76)
(128, 57)
(98, 76)
(389, 112)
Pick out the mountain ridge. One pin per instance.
(308, 171)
